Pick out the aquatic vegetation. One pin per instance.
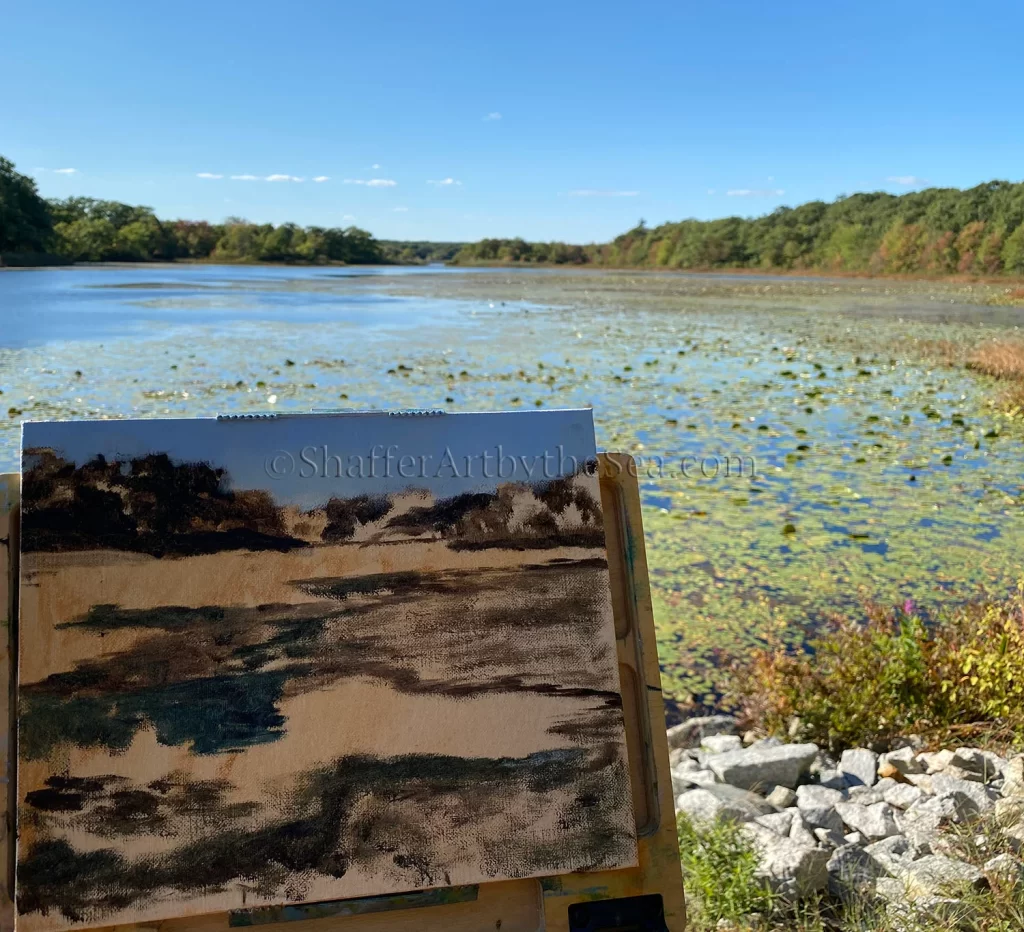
(905, 483)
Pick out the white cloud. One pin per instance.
(283, 178)
(321, 178)
(207, 175)
(492, 116)
(375, 167)
(711, 190)
(348, 217)
(245, 177)
(399, 210)
(65, 171)
(755, 192)
(908, 180)
(445, 183)
(600, 192)
(372, 182)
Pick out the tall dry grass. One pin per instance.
(1003, 360)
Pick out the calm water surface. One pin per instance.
(878, 473)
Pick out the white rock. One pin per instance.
(903, 760)
(874, 821)
(690, 733)
(1013, 777)
(914, 912)
(852, 870)
(801, 833)
(721, 803)
(789, 868)
(822, 817)
(782, 797)
(719, 744)
(760, 764)
(936, 761)
(976, 765)
(778, 822)
(891, 852)
(1014, 837)
(830, 837)
(1004, 869)
(1009, 810)
(981, 797)
(854, 838)
(936, 875)
(861, 765)
(902, 795)
(890, 889)
(810, 796)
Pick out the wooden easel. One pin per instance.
(647, 897)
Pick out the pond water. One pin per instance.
(803, 447)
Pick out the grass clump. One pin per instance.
(1003, 360)
(719, 864)
(865, 683)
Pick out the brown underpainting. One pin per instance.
(262, 664)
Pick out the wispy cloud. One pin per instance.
(348, 217)
(320, 179)
(755, 192)
(245, 177)
(492, 116)
(65, 171)
(284, 178)
(601, 192)
(207, 175)
(375, 167)
(445, 183)
(399, 210)
(907, 180)
(373, 182)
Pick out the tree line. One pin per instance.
(979, 231)
(84, 229)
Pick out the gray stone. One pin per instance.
(810, 796)
(758, 765)
(982, 798)
(690, 733)
(975, 765)
(903, 760)
(890, 889)
(781, 797)
(829, 837)
(1009, 810)
(778, 822)
(860, 766)
(683, 781)
(1004, 869)
(938, 875)
(790, 869)
(922, 821)
(801, 832)
(832, 779)
(902, 795)
(874, 821)
(916, 912)
(719, 744)
(865, 795)
(854, 838)
(891, 852)
(721, 803)
(1013, 777)
(822, 817)
(852, 871)
(1014, 837)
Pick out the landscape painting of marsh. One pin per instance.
(309, 658)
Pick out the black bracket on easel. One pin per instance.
(622, 914)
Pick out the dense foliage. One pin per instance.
(417, 253)
(83, 229)
(938, 230)
(865, 684)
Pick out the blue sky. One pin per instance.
(305, 460)
(562, 120)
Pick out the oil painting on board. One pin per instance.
(307, 658)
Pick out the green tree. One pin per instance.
(25, 221)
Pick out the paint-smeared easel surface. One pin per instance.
(308, 658)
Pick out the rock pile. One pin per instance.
(868, 824)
